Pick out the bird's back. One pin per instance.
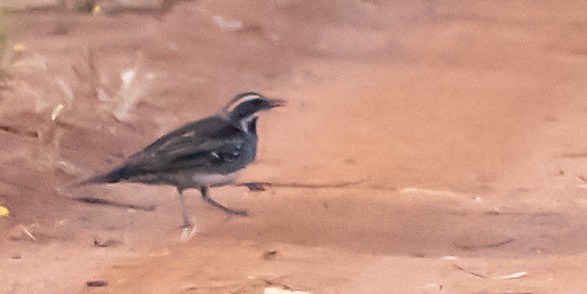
(209, 146)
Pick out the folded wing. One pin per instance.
(210, 145)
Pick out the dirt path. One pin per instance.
(462, 126)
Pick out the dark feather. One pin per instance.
(209, 146)
(113, 176)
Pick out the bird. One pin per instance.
(206, 153)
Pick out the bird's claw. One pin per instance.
(187, 232)
(231, 212)
(240, 213)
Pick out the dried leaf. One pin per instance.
(97, 9)
(18, 47)
(128, 76)
(57, 111)
(4, 211)
(512, 276)
(279, 290)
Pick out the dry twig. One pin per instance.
(262, 186)
(469, 272)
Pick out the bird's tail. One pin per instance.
(113, 176)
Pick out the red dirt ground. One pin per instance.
(461, 125)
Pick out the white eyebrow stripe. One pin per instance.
(245, 122)
(230, 107)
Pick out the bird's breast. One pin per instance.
(214, 179)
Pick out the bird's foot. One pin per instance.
(213, 202)
(231, 212)
(238, 212)
(187, 231)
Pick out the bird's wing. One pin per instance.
(211, 154)
(198, 129)
(193, 147)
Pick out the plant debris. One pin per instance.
(469, 272)
(278, 290)
(262, 186)
(57, 111)
(16, 131)
(485, 246)
(512, 276)
(106, 243)
(21, 232)
(270, 255)
(4, 211)
(97, 283)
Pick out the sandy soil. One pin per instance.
(461, 127)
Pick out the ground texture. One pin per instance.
(427, 147)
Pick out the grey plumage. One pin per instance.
(201, 154)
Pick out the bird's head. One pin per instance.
(245, 107)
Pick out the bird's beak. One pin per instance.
(276, 103)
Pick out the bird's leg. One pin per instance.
(204, 191)
(186, 222)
